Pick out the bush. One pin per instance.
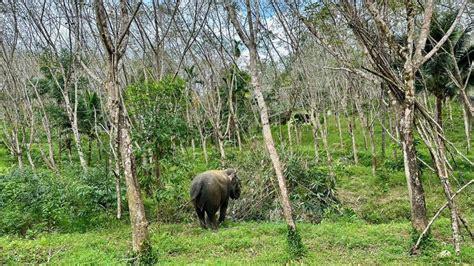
(31, 202)
(311, 189)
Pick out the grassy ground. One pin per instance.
(238, 243)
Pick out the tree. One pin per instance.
(115, 49)
(250, 40)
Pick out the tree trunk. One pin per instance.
(439, 112)
(324, 134)
(339, 128)
(383, 139)
(435, 144)
(467, 128)
(353, 139)
(314, 128)
(47, 129)
(203, 144)
(17, 149)
(362, 120)
(250, 42)
(135, 204)
(467, 117)
(220, 141)
(118, 192)
(290, 138)
(440, 161)
(373, 151)
(120, 124)
(72, 115)
(407, 122)
(267, 135)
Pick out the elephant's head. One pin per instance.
(234, 183)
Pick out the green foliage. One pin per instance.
(296, 248)
(159, 105)
(312, 189)
(436, 71)
(37, 201)
(146, 257)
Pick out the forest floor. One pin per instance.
(240, 243)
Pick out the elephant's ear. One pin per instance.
(230, 173)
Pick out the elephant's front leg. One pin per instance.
(222, 213)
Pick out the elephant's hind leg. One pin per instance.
(200, 214)
(212, 220)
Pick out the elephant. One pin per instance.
(210, 192)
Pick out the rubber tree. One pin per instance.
(115, 49)
(249, 38)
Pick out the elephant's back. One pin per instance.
(211, 183)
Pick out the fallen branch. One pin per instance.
(414, 249)
(466, 226)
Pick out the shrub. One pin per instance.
(42, 200)
(311, 188)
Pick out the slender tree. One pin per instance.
(115, 49)
(250, 40)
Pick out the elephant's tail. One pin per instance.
(196, 190)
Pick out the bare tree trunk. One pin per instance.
(204, 149)
(324, 135)
(439, 111)
(383, 139)
(31, 140)
(443, 175)
(436, 147)
(353, 138)
(17, 149)
(373, 151)
(290, 138)
(314, 128)
(220, 142)
(267, 134)
(339, 128)
(362, 120)
(394, 127)
(467, 127)
(115, 50)
(118, 192)
(407, 122)
(250, 42)
(47, 129)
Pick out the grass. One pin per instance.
(237, 243)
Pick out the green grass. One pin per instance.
(237, 243)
